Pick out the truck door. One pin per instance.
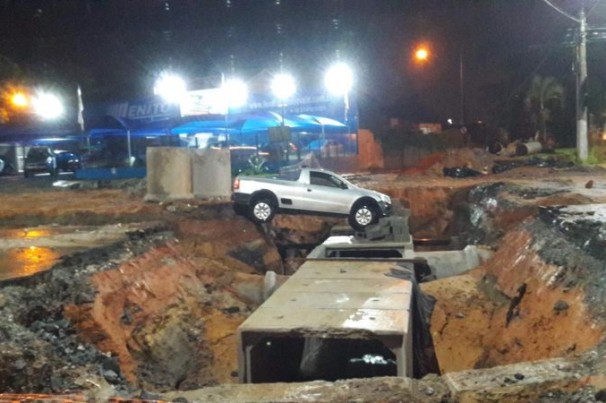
(326, 193)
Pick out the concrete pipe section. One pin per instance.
(333, 319)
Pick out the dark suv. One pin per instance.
(42, 159)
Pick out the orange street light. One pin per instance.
(19, 100)
(421, 54)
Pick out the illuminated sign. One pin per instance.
(203, 102)
(143, 110)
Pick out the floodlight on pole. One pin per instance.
(283, 86)
(171, 87)
(235, 93)
(47, 106)
(339, 79)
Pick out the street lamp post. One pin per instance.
(235, 95)
(172, 88)
(339, 81)
(421, 55)
(283, 87)
(461, 89)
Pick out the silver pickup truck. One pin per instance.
(314, 191)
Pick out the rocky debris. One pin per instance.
(461, 172)
(549, 162)
(467, 160)
(430, 389)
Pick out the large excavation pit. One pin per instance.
(162, 312)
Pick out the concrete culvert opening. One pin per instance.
(365, 254)
(299, 359)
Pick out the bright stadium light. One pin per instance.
(339, 79)
(235, 92)
(47, 105)
(283, 86)
(171, 87)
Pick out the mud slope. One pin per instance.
(539, 296)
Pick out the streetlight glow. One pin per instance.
(421, 54)
(47, 106)
(19, 100)
(283, 86)
(171, 87)
(339, 79)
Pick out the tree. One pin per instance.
(544, 95)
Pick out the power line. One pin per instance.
(559, 10)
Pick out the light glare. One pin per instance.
(283, 86)
(339, 79)
(19, 100)
(235, 92)
(422, 54)
(48, 106)
(171, 87)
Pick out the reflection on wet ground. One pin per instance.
(23, 262)
(27, 251)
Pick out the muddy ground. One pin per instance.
(154, 313)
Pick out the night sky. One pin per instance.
(116, 48)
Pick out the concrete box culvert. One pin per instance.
(330, 320)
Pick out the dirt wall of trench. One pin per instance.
(518, 306)
(170, 315)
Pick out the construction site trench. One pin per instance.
(102, 294)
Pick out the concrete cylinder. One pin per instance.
(169, 173)
(211, 173)
(532, 147)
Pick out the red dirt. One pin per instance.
(475, 327)
(191, 282)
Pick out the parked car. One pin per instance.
(42, 159)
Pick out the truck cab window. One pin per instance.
(322, 179)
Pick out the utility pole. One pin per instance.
(461, 89)
(582, 142)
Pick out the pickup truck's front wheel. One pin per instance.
(362, 215)
(262, 210)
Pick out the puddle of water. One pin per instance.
(27, 251)
(24, 262)
(33, 233)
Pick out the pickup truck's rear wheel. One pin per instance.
(362, 215)
(262, 210)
